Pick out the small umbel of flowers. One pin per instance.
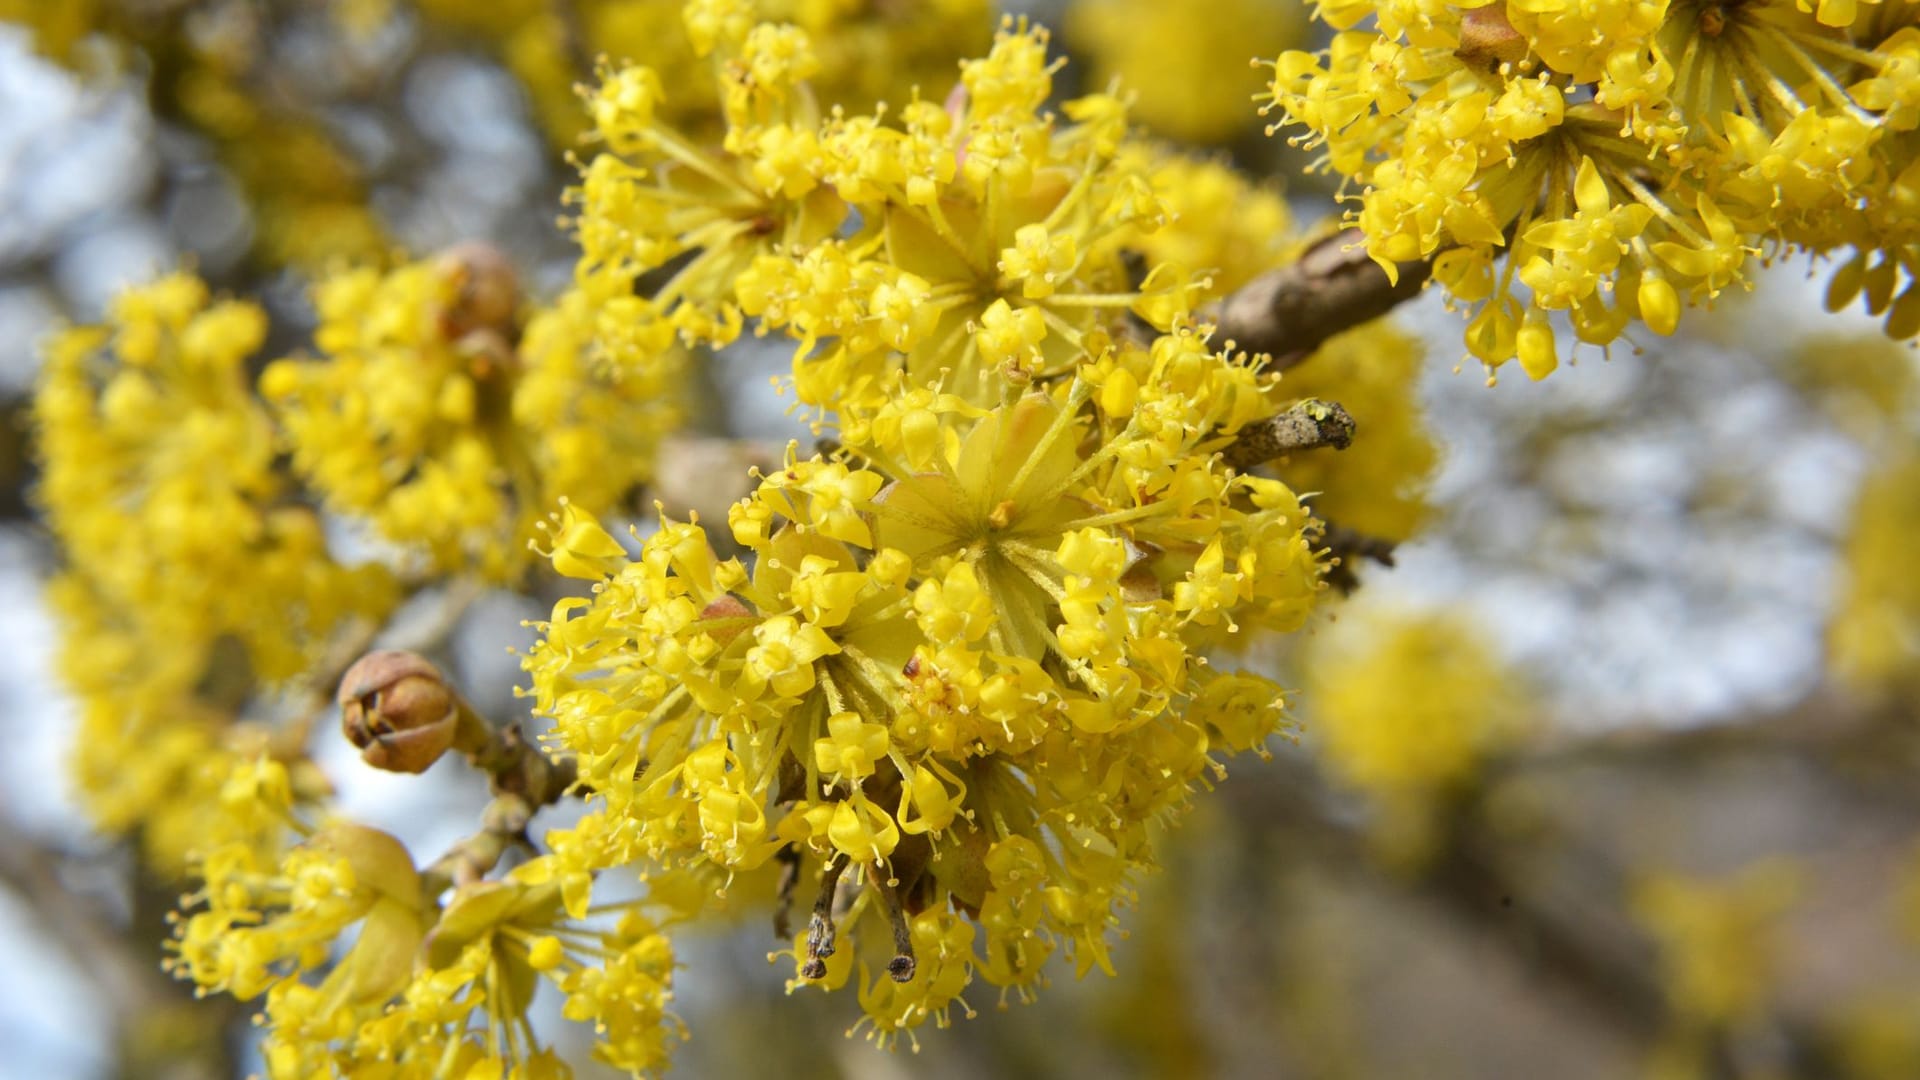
(1629, 157)
(979, 240)
(444, 413)
(1408, 706)
(961, 680)
(430, 985)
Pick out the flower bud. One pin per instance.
(485, 290)
(1488, 40)
(398, 711)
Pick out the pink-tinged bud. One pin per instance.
(398, 711)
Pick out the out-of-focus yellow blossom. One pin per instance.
(1408, 701)
(965, 673)
(1628, 157)
(451, 426)
(189, 574)
(1378, 485)
(1218, 221)
(1873, 640)
(307, 197)
(157, 467)
(1183, 64)
(1406, 706)
(1870, 386)
(871, 50)
(1878, 1037)
(1716, 939)
(492, 19)
(155, 755)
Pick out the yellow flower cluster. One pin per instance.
(974, 247)
(966, 667)
(1873, 639)
(1717, 938)
(441, 417)
(425, 989)
(964, 671)
(977, 242)
(871, 50)
(1629, 157)
(157, 475)
(1214, 218)
(1406, 705)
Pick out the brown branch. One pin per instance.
(1333, 286)
(1475, 876)
(523, 781)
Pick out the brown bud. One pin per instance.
(486, 291)
(1488, 40)
(398, 711)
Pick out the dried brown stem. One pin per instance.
(1309, 425)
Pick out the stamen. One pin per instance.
(902, 966)
(820, 924)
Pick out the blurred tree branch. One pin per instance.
(15, 464)
(1574, 936)
(161, 1032)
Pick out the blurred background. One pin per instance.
(1678, 835)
